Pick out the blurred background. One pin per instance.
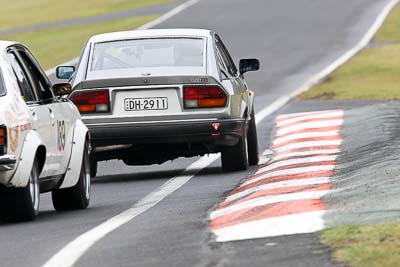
(55, 31)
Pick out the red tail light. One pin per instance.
(204, 97)
(3, 140)
(92, 101)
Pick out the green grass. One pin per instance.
(55, 46)
(372, 74)
(19, 13)
(365, 246)
(390, 30)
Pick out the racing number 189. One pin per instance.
(60, 135)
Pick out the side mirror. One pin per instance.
(246, 65)
(62, 89)
(65, 72)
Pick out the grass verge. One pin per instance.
(20, 13)
(365, 246)
(372, 74)
(54, 46)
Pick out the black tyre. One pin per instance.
(252, 141)
(93, 168)
(235, 158)
(77, 197)
(21, 204)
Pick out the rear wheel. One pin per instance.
(77, 197)
(235, 158)
(21, 204)
(252, 141)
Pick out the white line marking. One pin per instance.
(302, 114)
(263, 160)
(287, 162)
(265, 157)
(268, 152)
(308, 144)
(168, 15)
(305, 153)
(291, 171)
(146, 26)
(308, 222)
(284, 184)
(268, 200)
(70, 254)
(295, 136)
(308, 125)
(328, 115)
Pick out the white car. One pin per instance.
(155, 95)
(44, 145)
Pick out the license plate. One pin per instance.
(148, 103)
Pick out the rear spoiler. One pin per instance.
(156, 80)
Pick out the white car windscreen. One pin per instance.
(148, 54)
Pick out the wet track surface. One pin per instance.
(293, 40)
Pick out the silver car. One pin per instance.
(155, 95)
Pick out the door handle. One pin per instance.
(52, 117)
(34, 116)
(51, 113)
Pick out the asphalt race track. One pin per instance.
(294, 39)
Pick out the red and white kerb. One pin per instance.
(284, 195)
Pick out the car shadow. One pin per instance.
(141, 176)
(153, 175)
(50, 215)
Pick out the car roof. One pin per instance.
(135, 34)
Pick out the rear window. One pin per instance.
(148, 53)
(2, 87)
